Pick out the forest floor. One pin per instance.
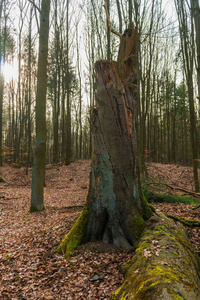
(29, 266)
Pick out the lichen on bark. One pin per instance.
(165, 265)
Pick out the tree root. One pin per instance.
(75, 236)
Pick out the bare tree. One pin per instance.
(187, 46)
(38, 172)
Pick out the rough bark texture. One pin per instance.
(116, 210)
(1, 114)
(165, 265)
(38, 172)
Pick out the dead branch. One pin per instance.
(108, 20)
(190, 223)
(196, 195)
(33, 2)
(196, 207)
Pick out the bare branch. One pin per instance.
(33, 2)
(109, 23)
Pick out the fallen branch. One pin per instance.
(196, 195)
(72, 206)
(196, 207)
(190, 223)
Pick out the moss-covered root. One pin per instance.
(165, 265)
(148, 209)
(75, 236)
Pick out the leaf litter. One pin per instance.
(29, 266)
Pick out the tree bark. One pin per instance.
(68, 121)
(115, 211)
(165, 265)
(1, 113)
(1, 88)
(188, 60)
(196, 15)
(38, 172)
(114, 198)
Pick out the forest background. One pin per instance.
(168, 114)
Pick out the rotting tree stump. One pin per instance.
(165, 265)
(115, 210)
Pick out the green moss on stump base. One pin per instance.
(148, 209)
(33, 209)
(165, 265)
(75, 236)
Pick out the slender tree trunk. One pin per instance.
(38, 173)
(63, 154)
(1, 114)
(174, 126)
(130, 11)
(119, 16)
(29, 93)
(185, 127)
(68, 121)
(56, 92)
(80, 99)
(1, 88)
(196, 15)
(108, 31)
(188, 61)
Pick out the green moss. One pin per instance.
(190, 223)
(152, 276)
(126, 266)
(6, 256)
(147, 210)
(2, 180)
(177, 296)
(84, 187)
(34, 209)
(139, 226)
(167, 273)
(75, 236)
(175, 253)
(151, 195)
(152, 207)
(149, 283)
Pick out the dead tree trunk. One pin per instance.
(115, 210)
(165, 265)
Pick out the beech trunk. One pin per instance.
(38, 172)
(115, 210)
